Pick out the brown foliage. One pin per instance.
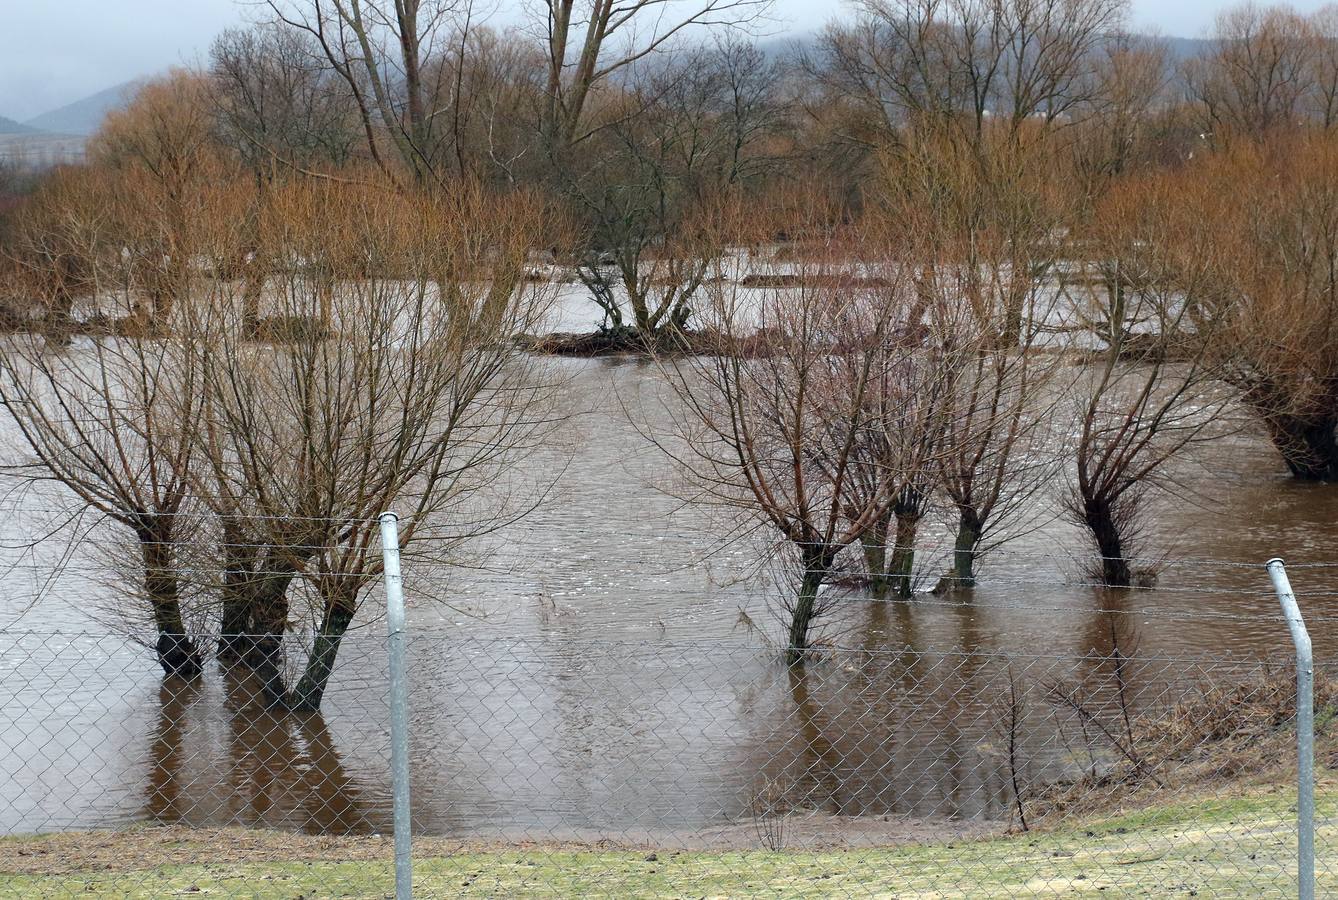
(1254, 249)
(1223, 731)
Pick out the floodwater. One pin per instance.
(609, 669)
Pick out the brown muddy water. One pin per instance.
(609, 670)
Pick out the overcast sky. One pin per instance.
(53, 53)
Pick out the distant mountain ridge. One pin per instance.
(83, 117)
(9, 126)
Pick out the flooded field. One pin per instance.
(609, 667)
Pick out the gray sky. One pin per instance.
(53, 53)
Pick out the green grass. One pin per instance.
(1221, 847)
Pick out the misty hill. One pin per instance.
(1181, 49)
(1177, 48)
(9, 126)
(84, 116)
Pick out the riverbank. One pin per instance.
(1235, 842)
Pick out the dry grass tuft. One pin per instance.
(1227, 733)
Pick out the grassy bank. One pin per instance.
(1242, 844)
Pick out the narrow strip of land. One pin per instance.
(1227, 845)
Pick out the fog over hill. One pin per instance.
(9, 126)
(84, 116)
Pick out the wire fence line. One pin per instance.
(727, 753)
(575, 763)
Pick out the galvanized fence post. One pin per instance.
(1305, 731)
(399, 704)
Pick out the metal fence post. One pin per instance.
(1305, 731)
(399, 704)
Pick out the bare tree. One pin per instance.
(1115, 128)
(1150, 394)
(966, 98)
(992, 457)
(278, 103)
(981, 240)
(1259, 73)
(383, 53)
(776, 423)
(437, 95)
(684, 137)
(591, 42)
(970, 64)
(53, 247)
(1265, 214)
(112, 421)
(164, 141)
(896, 453)
(1324, 66)
(397, 388)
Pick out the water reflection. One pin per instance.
(165, 802)
(242, 762)
(539, 739)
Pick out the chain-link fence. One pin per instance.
(569, 766)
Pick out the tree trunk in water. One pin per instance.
(902, 567)
(1012, 333)
(636, 298)
(1115, 569)
(236, 626)
(239, 561)
(269, 620)
(164, 301)
(1308, 447)
(310, 688)
(176, 652)
(236, 619)
(678, 320)
(875, 556)
(325, 294)
(805, 609)
(962, 574)
(252, 287)
(58, 323)
(264, 654)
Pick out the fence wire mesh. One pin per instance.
(568, 766)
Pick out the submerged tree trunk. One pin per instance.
(253, 286)
(903, 556)
(235, 621)
(239, 558)
(805, 608)
(874, 545)
(268, 611)
(962, 573)
(340, 605)
(58, 322)
(1100, 519)
(902, 567)
(156, 319)
(176, 652)
(1309, 446)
